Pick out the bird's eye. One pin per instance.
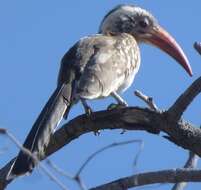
(144, 23)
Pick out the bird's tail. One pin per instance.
(39, 136)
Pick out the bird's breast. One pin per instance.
(130, 54)
(110, 64)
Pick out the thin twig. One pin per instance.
(108, 147)
(80, 182)
(41, 166)
(59, 170)
(137, 156)
(148, 100)
(177, 109)
(77, 177)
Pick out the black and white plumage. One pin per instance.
(98, 66)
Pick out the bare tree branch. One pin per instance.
(59, 170)
(191, 163)
(181, 133)
(177, 109)
(164, 176)
(148, 100)
(193, 158)
(187, 97)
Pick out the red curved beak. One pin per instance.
(162, 39)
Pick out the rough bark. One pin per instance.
(165, 176)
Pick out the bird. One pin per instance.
(97, 66)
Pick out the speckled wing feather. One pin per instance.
(102, 64)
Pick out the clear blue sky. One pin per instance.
(34, 35)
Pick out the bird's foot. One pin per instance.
(96, 132)
(88, 111)
(89, 114)
(116, 106)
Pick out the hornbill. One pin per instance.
(98, 66)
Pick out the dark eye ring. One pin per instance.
(144, 23)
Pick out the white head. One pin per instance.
(127, 19)
(143, 27)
